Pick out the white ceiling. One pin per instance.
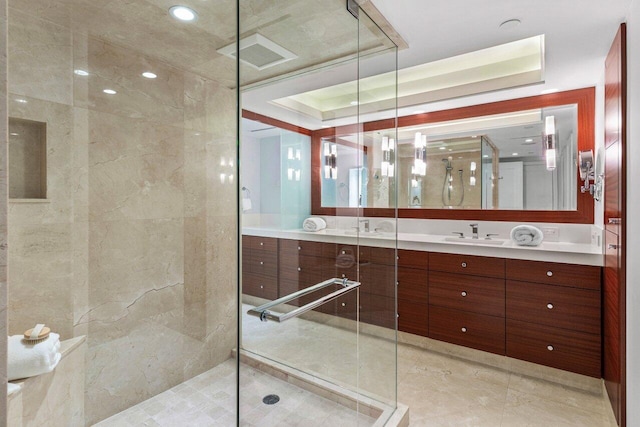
(578, 34)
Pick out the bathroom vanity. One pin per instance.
(539, 304)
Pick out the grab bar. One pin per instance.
(264, 314)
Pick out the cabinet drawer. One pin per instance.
(382, 256)
(413, 259)
(467, 264)
(260, 286)
(294, 248)
(412, 285)
(484, 295)
(265, 263)
(468, 329)
(557, 306)
(413, 317)
(551, 273)
(343, 253)
(308, 270)
(378, 279)
(259, 243)
(378, 310)
(560, 348)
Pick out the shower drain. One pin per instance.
(271, 399)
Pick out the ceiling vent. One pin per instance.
(259, 52)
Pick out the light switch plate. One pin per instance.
(551, 234)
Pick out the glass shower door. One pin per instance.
(317, 335)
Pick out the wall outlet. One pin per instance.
(551, 234)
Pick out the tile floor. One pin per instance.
(440, 390)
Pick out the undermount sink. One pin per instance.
(468, 240)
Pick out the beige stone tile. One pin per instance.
(135, 169)
(120, 69)
(39, 48)
(41, 278)
(527, 410)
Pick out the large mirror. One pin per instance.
(495, 161)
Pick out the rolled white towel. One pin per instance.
(526, 235)
(314, 224)
(26, 359)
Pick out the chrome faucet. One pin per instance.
(474, 230)
(366, 225)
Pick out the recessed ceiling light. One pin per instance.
(514, 154)
(544, 92)
(354, 103)
(183, 13)
(149, 75)
(80, 72)
(109, 91)
(528, 140)
(510, 24)
(21, 101)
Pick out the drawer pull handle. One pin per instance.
(464, 265)
(344, 275)
(612, 246)
(261, 263)
(464, 329)
(299, 269)
(614, 220)
(261, 286)
(299, 248)
(261, 244)
(344, 252)
(549, 273)
(463, 293)
(550, 306)
(344, 304)
(550, 347)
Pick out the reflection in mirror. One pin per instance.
(344, 178)
(499, 162)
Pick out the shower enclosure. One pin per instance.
(126, 161)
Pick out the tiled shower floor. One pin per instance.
(208, 400)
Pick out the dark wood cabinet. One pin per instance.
(260, 266)
(553, 273)
(469, 329)
(467, 264)
(483, 295)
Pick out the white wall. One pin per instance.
(633, 207)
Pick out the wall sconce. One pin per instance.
(472, 178)
(330, 160)
(293, 161)
(388, 149)
(420, 161)
(549, 142)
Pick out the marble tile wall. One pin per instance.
(3, 210)
(136, 245)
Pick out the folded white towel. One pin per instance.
(27, 359)
(12, 388)
(314, 224)
(526, 235)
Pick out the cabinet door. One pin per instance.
(413, 285)
(413, 317)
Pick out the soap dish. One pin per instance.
(39, 333)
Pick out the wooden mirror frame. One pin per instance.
(584, 214)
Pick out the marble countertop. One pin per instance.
(565, 252)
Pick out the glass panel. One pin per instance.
(133, 246)
(313, 104)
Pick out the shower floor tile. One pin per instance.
(209, 400)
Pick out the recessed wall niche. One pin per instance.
(27, 159)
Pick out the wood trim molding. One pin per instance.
(250, 115)
(584, 98)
